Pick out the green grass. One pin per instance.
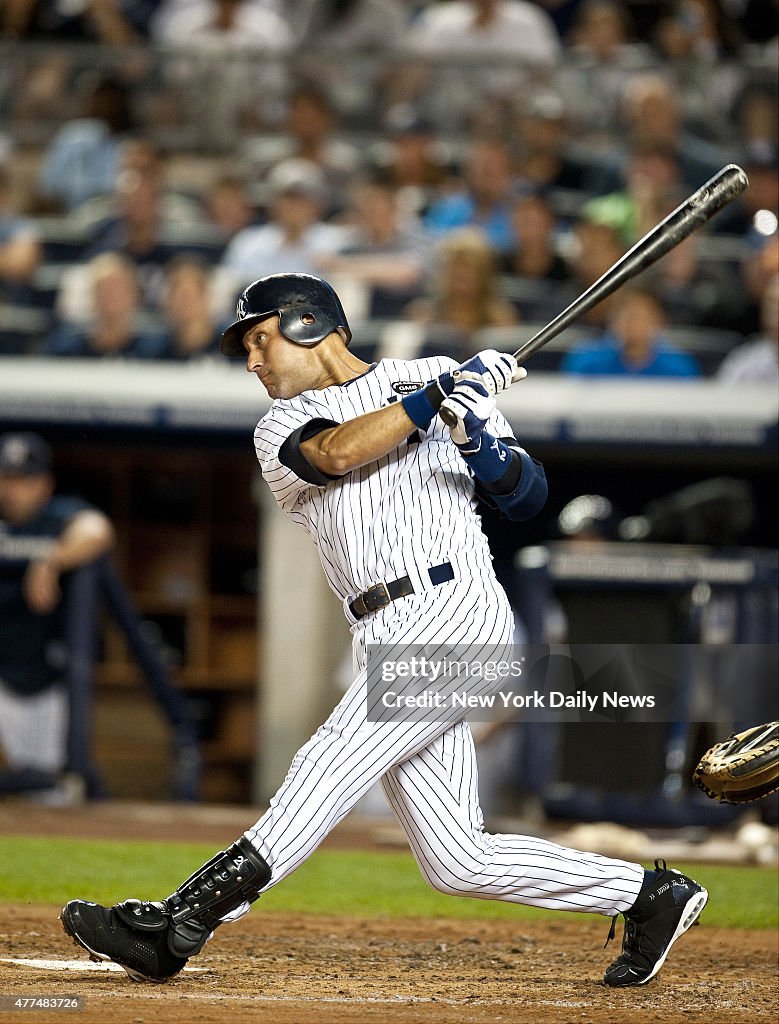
(42, 870)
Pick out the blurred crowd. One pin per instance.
(454, 168)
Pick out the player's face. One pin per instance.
(284, 369)
(22, 496)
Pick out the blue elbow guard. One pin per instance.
(521, 492)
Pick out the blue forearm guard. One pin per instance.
(508, 478)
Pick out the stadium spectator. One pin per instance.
(141, 160)
(219, 25)
(604, 56)
(147, 225)
(513, 41)
(116, 325)
(634, 346)
(231, 95)
(757, 360)
(593, 249)
(485, 198)
(384, 252)
(696, 29)
(295, 236)
(488, 27)
(117, 22)
(757, 270)
(20, 248)
(536, 277)
(194, 326)
(312, 125)
(699, 293)
(698, 42)
(544, 131)
(652, 188)
(756, 117)
(463, 294)
(413, 158)
(137, 231)
(536, 254)
(355, 25)
(43, 537)
(83, 159)
(229, 206)
(652, 115)
(655, 115)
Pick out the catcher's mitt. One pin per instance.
(742, 768)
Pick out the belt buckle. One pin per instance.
(376, 597)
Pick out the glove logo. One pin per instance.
(501, 451)
(406, 387)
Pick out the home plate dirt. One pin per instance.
(294, 969)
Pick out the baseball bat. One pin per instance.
(700, 207)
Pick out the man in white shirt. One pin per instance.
(295, 236)
(511, 27)
(757, 361)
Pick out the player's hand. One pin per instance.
(42, 587)
(471, 405)
(497, 370)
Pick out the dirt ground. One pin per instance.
(295, 969)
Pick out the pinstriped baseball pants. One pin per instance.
(429, 775)
(33, 728)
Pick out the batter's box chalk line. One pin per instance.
(75, 965)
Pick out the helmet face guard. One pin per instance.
(307, 307)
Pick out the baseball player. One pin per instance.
(43, 536)
(359, 457)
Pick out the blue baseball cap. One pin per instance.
(24, 454)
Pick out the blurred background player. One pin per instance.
(43, 536)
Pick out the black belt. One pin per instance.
(381, 594)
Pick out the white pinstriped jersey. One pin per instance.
(415, 506)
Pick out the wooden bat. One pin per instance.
(700, 207)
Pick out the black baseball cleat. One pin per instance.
(667, 905)
(113, 933)
(153, 941)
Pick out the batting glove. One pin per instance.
(471, 404)
(497, 369)
(494, 370)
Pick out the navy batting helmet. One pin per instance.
(307, 307)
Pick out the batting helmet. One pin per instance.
(307, 307)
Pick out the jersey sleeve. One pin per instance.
(277, 440)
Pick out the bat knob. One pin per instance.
(448, 417)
